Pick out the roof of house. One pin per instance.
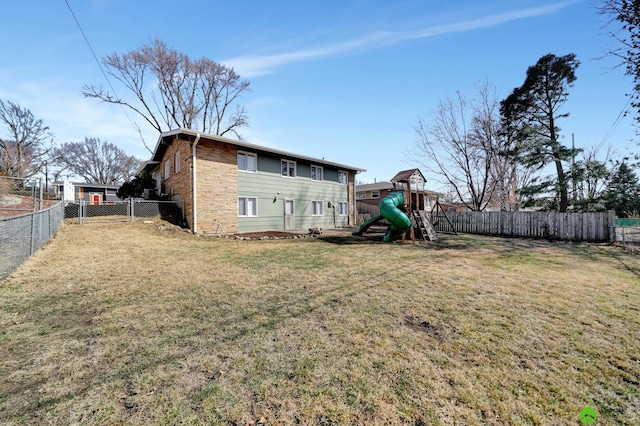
(89, 185)
(405, 175)
(374, 186)
(166, 139)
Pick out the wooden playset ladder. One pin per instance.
(426, 229)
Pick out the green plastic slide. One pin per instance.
(368, 224)
(389, 209)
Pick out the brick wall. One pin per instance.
(178, 185)
(217, 186)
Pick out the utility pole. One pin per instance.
(573, 172)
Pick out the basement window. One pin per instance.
(247, 206)
(317, 208)
(343, 208)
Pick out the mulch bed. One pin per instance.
(266, 235)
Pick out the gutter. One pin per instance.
(193, 184)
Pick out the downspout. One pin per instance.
(193, 184)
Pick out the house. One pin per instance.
(93, 193)
(230, 186)
(372, 193)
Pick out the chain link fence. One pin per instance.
(125, 211)
(628, 232)
(21, 235)
(628, 236)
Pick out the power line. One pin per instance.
(106, 77)
(616, 122)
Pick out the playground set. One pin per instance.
(405, 208)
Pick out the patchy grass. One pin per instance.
(129, 324)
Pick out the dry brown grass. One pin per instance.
(128, 324)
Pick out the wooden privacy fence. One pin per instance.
(593, 227)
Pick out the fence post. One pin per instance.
(33, 231)
(40, 192)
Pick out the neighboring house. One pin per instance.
(93, 193)
(372, 193)
(234, 186)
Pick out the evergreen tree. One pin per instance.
(532, 112)
(623, 192)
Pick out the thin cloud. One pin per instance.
(253, 65)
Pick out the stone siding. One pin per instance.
(217, 186)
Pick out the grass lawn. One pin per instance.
(132, 324)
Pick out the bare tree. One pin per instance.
(96, 161)
(171, 90)
(462, 144)
(506, 176)
(24, 151)
(624, 17)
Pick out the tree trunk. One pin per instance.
(562, 185)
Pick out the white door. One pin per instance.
(289, 216)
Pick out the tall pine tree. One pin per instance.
(532, 112)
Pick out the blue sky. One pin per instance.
(344, 80)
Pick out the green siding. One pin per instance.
(268, 164)
(267, 182)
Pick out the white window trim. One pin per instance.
(167, 169)
(321, 204)
(247, 207)
(375, 196)
(321, 169)
(346, 177)
(177, 162)
(255, 162)
(361, 195)
(340, 204)
(295, 168)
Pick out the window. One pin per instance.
(167, 169)
(247, 162)
(317, 208)
(362, 195)
(343, 209)
(316, 173)
(342, 178)
(177, 162)
(375, 194)
(288, 168)
(247, 206)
